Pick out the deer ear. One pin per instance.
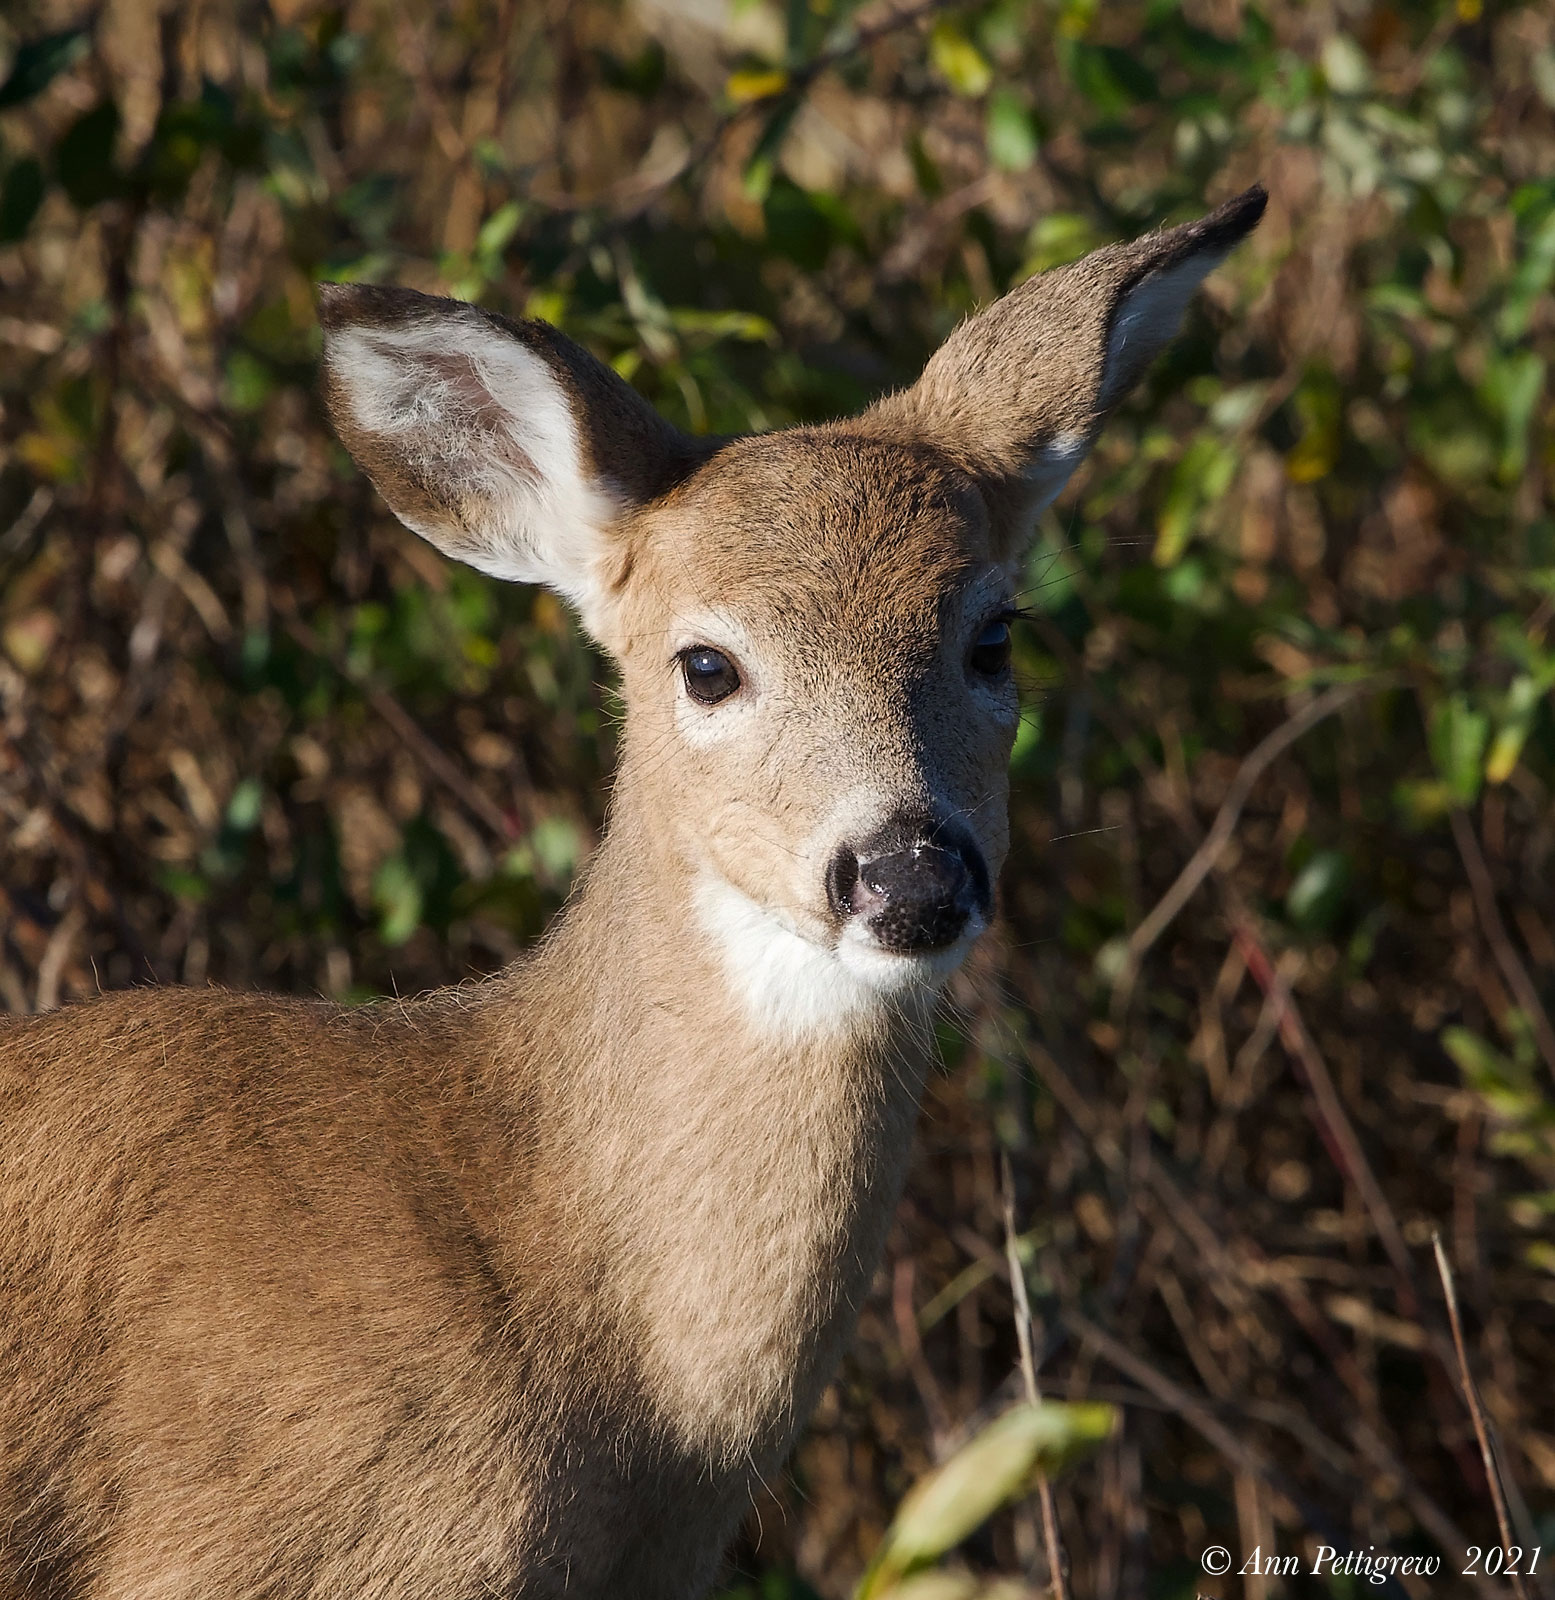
(1018, 393)
(503, 443)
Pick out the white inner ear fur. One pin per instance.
(483, 420)
(1051, 468)
(1144, 324)
(1147, 319)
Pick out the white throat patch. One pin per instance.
(792, 988)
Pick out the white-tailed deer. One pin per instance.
(517, 1289)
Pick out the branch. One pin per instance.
(1501, 947)
(1028, 1368)
(1477, 1412)
(1204, 860)
(1334, 1123)
(400, 720)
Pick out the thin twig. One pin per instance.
(56, 955)
(1230, 1276)
(1501, 947)
(26, 522)
(1028, 1368)
(1432, 1519)
(1204, 860)
(908, 249)
(400, 720)
(1477, 1412)
(1334, 1123)
(1200, 1417)
(1172, 1395)
(910, 1335)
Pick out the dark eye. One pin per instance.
(990, 656)
(710, 675)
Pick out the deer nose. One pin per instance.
(914, 890)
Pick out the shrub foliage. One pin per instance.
(1294, 626)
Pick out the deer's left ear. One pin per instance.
(1018, 393)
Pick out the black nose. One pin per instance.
(914, 885)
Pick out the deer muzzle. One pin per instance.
(913, 886)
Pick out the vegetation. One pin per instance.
(1294, 636)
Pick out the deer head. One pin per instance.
(812, 626)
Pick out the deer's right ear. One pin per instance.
(504, 443)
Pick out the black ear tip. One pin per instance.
(333, 300)
(1238, 216)
(341, 304)
(1211, 238)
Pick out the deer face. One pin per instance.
(815, 645)
(812, 626)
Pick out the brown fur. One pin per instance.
(518, 1288)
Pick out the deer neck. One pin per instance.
(742, 1168)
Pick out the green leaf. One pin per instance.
(1111, 79)
(245, 805)
(1318, 892)
(1057, 239)
(1512, 386)
(998, 1465)
(1532, 276)
(1479, 1061)
(1458, 735)
(1522, 704)
(1345, 66)
(1202, 475)
(1423, 801)
(39, 62)
(249, 381)
(397, 895)
(939, 1586)
(1318, 404)
(1509, 1088)
(183, 884)
(957, 60)
(1012, 136)
(715, 325)
(557, 846)
(761, 166)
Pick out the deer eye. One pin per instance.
(990, 654)
(710, 675)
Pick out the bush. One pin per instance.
(255, 734)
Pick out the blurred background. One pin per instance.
(1271, 998)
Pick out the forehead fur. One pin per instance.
(870, 530)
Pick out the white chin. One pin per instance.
(890, 972)
(792, 987)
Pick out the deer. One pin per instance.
(523, 1287)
